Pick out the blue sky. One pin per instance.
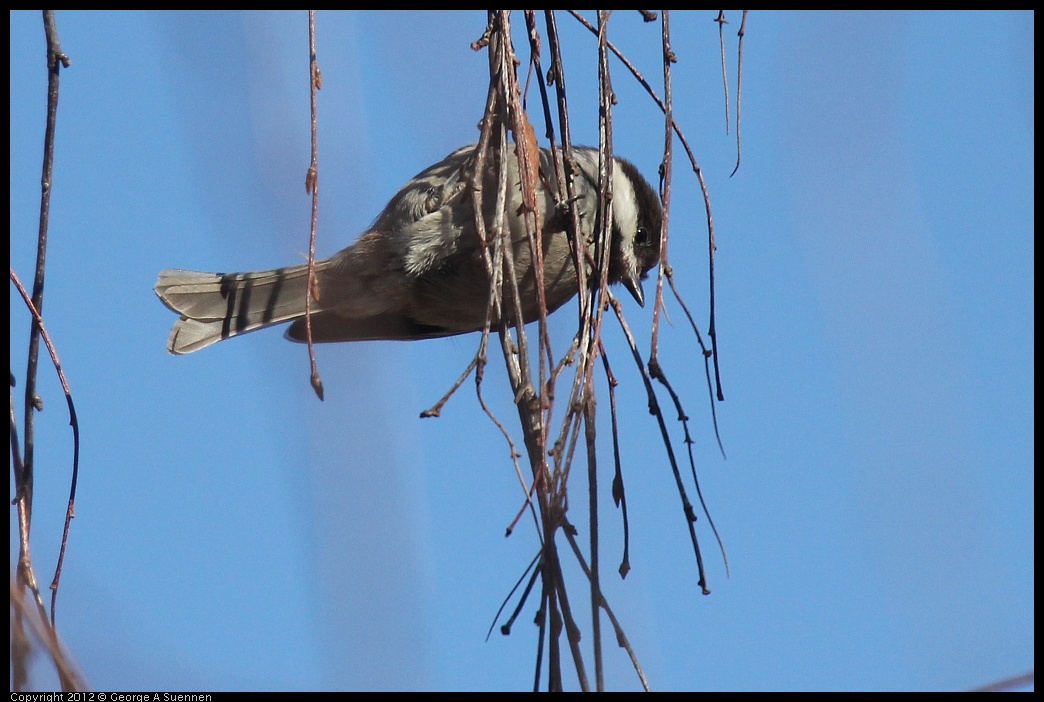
(875, 317)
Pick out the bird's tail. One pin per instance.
(216, 306)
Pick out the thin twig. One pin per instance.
(505, 628)
(70, 511)
(739, 87)
(592, 501)
(656, 371)
(720, 19)
(665, 178)
(706, 353)
(315, 82)
(656, 411)
(26, 573)
(436, 409)
(621, 637)
(619, 494)
(56, 60)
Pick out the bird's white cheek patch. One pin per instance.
(625, 214)
(432, 240)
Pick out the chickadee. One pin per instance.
(418, 271)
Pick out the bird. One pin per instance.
(418, 272)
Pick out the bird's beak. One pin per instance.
(634, 286)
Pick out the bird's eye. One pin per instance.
(642, 237)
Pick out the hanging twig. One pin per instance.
(739, 88)
(315, 82)
(711, 246)
(720, 19)
(70, 511)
